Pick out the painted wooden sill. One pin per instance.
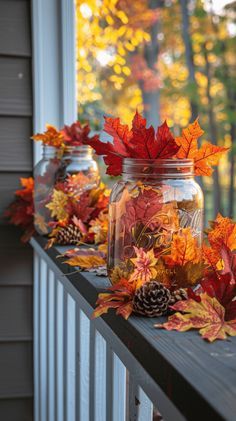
(177, 369)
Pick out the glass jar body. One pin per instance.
(153, 204)
(71, 171)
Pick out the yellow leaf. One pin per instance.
(58, 205)
(86, 262)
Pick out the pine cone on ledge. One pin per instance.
(68, 235)
(151, 299)
(178, 295)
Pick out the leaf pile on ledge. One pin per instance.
(210, 307)
(21, 210)
(144, 143)
(79, 218)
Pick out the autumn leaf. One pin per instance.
(229, 262)
(222, 286)
(86, 259)
(76, 183)
(167, 147)
(99, 227)
(119, 297)
(77, 134)
(187, 275)
(207, 156)
(58, 204)
(210, 255)
(51, 137)
(28, 188)
(143, 208)
(184, 247)
(187, 142)
(121, 135)
(138, 142)
(142, 139)
(21, 211)
(79, 207)
(208, 316)
(204, 158)
(222, 231)
(144, 266)
(40, 222)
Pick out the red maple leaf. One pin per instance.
(229, 261)
(143, 143)
(139, 142)
(77, 134)
(166, 145)
(142, 208)
(223, 288)
(80, 207)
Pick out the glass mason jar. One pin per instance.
(154, 200)
(78, 169)
(45, 176)
(72, 170)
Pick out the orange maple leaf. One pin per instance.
(205, 157)
(208, 316)
(119, 297)
(208, 155)
(184, 248)
(51, 137)
(188, 141)
(28, 187)
(223, 231)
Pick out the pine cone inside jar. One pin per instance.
(68, 235)
(178, 295)
(151, 299)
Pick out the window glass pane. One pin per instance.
(169, 59)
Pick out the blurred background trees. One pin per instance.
(171, 59)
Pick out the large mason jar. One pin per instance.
(153, 203)
(71, 170)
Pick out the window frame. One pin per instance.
(54, 65)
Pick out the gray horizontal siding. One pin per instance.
(16, 370)
(15, 86)
(16, 316)
(16, 409)
(22, 259)
(15, 144)
(16, 365)
(15, 27)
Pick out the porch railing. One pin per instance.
(109, 369)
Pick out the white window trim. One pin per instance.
(54, 65)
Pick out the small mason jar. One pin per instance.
(79, 171)
(71, 170)
(45, 175)
(152, 202)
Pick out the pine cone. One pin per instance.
(68, 235)
(151, 299)
(178, 295)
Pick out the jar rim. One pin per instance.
(158, 168)
(167, 162)
(79, 148)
